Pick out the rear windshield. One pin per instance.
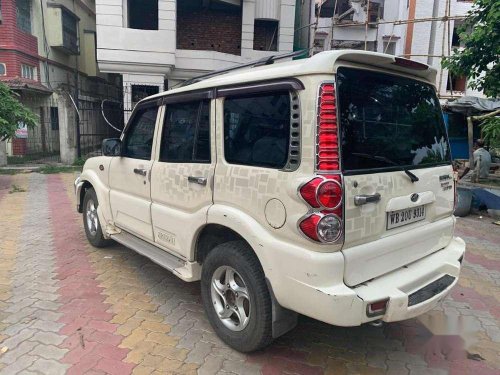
(389, 122)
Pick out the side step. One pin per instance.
(160, 257)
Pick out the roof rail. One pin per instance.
(263, 61)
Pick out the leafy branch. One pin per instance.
(12, 113)
(478, 60)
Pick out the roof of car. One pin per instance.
(321, 63)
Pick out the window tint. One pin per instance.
(186, 133)
(389, 122)
(139, 137)
(257, 129)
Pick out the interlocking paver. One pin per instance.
(99, 311)
(20, 365)
(199, 352)
(18, 352)
(48, 338)
(48, 352)
(48, 366)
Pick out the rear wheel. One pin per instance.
(93, 229)
(236, 298)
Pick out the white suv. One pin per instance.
(320, 186)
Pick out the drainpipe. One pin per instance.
(77, 117)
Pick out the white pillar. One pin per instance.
(287, 22)
(67, 129)
(247, 28)
(3, 153)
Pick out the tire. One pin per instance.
(91, 222)
(244, 335)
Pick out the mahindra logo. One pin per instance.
(414, 197)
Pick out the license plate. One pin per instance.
(399, 218)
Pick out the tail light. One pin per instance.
(327, 145)
(324, 192)
(324, 195)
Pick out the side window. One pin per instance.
(186, 133)
(257, 129)
(139, 137)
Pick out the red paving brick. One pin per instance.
(84, 303)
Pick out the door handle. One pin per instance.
(198, 180)
(140, 171)
(362, 199)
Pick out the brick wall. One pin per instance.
(13, 61)
(16, 46)
(209, 30)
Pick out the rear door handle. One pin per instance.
(362, 199)
(140, 171)
(197, 180)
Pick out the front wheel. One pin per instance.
(236, 298)
(93, 229)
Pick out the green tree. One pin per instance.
(478, 60)
(12, 112)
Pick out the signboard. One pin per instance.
(22, 131)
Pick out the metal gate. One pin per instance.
(100, 116)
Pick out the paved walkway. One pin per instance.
(66, 307)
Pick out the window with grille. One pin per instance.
(23, 15)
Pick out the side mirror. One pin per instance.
(112, 147)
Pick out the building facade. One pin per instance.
(414, 34)
(48, 57)
(156, 44)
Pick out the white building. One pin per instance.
(155, 44)
(421, 41)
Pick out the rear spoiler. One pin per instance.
(391, 62)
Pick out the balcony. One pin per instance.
(62, 29)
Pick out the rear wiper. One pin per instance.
(412, 177)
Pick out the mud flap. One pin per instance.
(284, 320)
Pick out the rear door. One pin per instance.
(182, 177)
(397, 172)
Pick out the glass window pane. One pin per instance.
(179, 132)
(257, 129)
(23, 15)
(389, 121)
(139, 137)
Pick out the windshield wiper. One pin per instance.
(412, 177)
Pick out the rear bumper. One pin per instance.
(336, 303)
(420, 279)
